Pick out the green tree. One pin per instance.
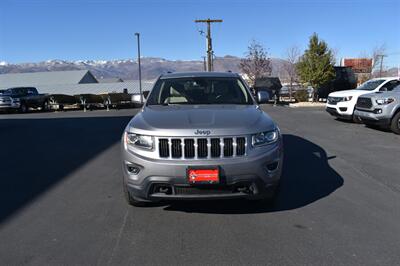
(316, 64)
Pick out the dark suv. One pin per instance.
(23, 98)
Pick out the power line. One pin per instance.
(209, 42)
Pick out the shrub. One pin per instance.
(301, 96)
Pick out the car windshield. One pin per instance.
(370, 85)
(200, 90)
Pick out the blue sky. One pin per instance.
(39, 30)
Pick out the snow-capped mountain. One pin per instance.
(126, 68)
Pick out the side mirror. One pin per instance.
(262, 97)
(383, 89)
(136, 98)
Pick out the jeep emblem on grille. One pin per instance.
(202, 132)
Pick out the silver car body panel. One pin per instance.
(201, 122)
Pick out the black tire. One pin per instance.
(395, 125)
(23, 108)
(356, 119)
(134, 201)
(269, 198)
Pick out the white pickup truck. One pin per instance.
(342, 104)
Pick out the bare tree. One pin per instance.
(292, 58)
(377, 56)
(256, 64)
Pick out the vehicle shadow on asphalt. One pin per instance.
(307, 177)
(36, 153)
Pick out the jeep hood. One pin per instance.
(217, 120)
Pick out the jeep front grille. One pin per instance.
(364, 102)
(201, 148)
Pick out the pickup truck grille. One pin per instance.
(334, 100)
(201, 148)
(364, 103)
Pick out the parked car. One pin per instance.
(201, 136)
(380, 109)
(23, 98)
(345, 79)
(8, 103)
(271, 85)
(341, 104)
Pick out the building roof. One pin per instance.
(95, 88)
(109, 80)
(46, 78)
(199, 74)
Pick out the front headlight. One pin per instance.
(385, 101)
(347, 98)
(139, 141)
(265, 137)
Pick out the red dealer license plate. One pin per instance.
(203, 175)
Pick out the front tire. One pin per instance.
(356, 119)
(23, 108)
(395, 125)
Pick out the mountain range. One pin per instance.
(127, 69)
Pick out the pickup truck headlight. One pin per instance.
(139, 141)
(265, 138)
(347, 98)
(385, 101)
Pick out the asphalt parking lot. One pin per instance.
(62, 202)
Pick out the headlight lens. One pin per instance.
(385, 101)
(265, 137)
(347, 98)
(139, 141)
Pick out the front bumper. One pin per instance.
(240, 177)
(369, 117)
(342, 110)
(9, 106)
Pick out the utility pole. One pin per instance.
(380, 68)
(140, 70)
(204, 63)
(209, 43)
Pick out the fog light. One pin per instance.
(272, 166)
(378, 111)
(133, 169)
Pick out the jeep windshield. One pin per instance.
(201, 90)
(370, 85)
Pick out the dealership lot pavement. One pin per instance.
(62, 203)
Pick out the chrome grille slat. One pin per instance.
(201, 148)
(228, 147)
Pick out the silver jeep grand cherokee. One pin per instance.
(201, 136)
